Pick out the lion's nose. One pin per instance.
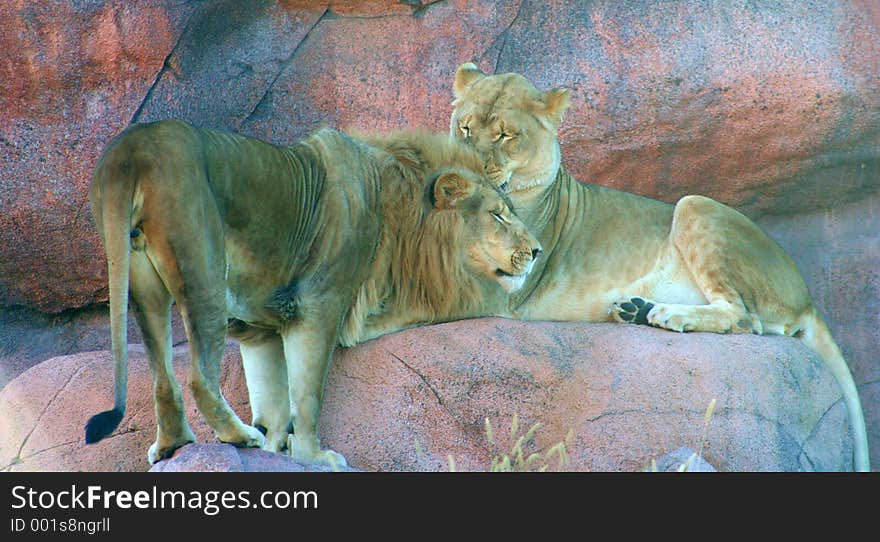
(535, 253)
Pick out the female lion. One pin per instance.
(614, 256)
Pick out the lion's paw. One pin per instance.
(314, 455)
(245, 437)
(275, 441)
(671, 317)
(633, 310)
(163, 448)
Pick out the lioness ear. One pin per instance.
(556, 101)
(465, 76)
(450, 189)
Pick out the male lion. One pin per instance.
(615, 256)
(295, 249)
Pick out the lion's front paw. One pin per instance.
(276, 441)
(245, 437)
(312, 453)
(633, 310)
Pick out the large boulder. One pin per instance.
(413, 400)
(219, 457)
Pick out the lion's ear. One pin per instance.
(556, 101)
(466, 75)
(450, 189)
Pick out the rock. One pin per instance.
(683, 458)
(75, 74)
(227, 458)
(768, 108)
(50, 403)
(411, 400)
(202, 458)
(838, 252)
(772, 109)
(28, 337)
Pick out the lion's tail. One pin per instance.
(114, 186)
(818, 337)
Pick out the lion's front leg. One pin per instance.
(308, 346)
(265, 371)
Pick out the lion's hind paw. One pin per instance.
(633, 310)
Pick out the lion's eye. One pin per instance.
(466, 132)
(507, 137)
(499, 217)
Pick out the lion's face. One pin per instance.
(511, 124)
(494, 242)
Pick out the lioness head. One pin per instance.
(511, 124)
(495, 244)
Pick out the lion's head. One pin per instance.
(468, 232)
(493, 241)
(511, 124)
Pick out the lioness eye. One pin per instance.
(466, 131)
(498, 217)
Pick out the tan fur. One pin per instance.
(296, 249)
(702, 265)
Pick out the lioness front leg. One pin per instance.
(308, 346)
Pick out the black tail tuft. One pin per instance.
(101, 425)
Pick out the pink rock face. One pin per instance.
(51, 402)
(411, 400)
(771, 109)
(838, 252)
(768, 109)
(73, 78)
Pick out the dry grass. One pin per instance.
(707, 417)
(520, 457)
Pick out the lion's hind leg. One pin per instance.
(207, 338)
(151, 304)
(192, 266)
(736, 268)
(719, 316)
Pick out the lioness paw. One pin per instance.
(673, 318)
(633, 310)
